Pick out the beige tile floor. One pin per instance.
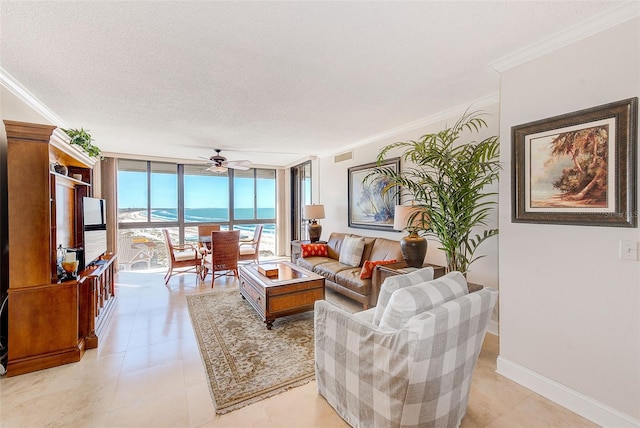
(147, 372)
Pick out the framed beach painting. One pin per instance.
(369, 207)
(578, 168)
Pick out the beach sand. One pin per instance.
(152, 239)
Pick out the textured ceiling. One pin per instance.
(276, 81)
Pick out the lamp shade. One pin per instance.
(313, 212)
(402, 215)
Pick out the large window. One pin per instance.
(206, 195)
(132, 202)
(244, 195)
(163, 193)
(266, 194)
(156, 195)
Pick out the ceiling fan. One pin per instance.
(220, 164)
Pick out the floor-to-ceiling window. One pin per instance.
(206, 199)
(300, 196)
(157, 195)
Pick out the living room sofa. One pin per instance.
(347, 278)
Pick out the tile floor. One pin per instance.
(147, 372)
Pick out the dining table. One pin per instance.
(206, 239)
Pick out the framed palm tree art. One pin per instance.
(578, 168)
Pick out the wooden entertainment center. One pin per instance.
(51, 322)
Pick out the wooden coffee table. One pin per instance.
(292, 291)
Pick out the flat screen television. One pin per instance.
(93, 214)
(95, 229)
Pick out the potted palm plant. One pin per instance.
(449, 180)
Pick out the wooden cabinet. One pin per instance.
(49, 323)
(97, 300)
(43, 327)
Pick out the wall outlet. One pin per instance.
(629, 250)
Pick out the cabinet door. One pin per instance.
(29, 213)
(43, 323)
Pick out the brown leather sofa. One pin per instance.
(345, 279)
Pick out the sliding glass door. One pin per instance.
(300, 196)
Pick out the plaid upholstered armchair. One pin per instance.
(408, 362)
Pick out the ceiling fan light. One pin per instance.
(217, 168)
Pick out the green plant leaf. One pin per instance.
(450, 180)
(83, 139)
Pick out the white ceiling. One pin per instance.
(276, 81)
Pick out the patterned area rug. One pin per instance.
(244, 361)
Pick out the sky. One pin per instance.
(201, 191)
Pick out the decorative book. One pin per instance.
(268, 270)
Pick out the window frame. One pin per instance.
(180, 222)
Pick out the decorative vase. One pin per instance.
(414, 249)
(60, 169)
(314, 230)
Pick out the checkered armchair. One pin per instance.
(417, 375)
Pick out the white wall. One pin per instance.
(13, 108)
(333, 185)
(569, 307)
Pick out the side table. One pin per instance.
(385, 271)
(296, 252)
(399, 268)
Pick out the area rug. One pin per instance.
(244, 361)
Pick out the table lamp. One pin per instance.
(413, 246)
(313, 213)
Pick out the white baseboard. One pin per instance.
(581, 404)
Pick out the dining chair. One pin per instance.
(224, 255)
(181, 256)
(204, 230)
(250, 250)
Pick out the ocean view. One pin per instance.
(153, 240)
(216, 215)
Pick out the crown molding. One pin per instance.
(61, 141)
(16, 88)
(608, 19)
(478, 103)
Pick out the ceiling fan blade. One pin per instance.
(238, 162)
(220, 164)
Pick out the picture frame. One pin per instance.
(368, 207)
(577, 168)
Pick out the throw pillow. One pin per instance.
(351, 251)
(410, 301)
(367, 267)
(314, 250)
(396, 282)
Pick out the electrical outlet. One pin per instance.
(629, 250)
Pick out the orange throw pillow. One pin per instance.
(314, 250)
(367, 267)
